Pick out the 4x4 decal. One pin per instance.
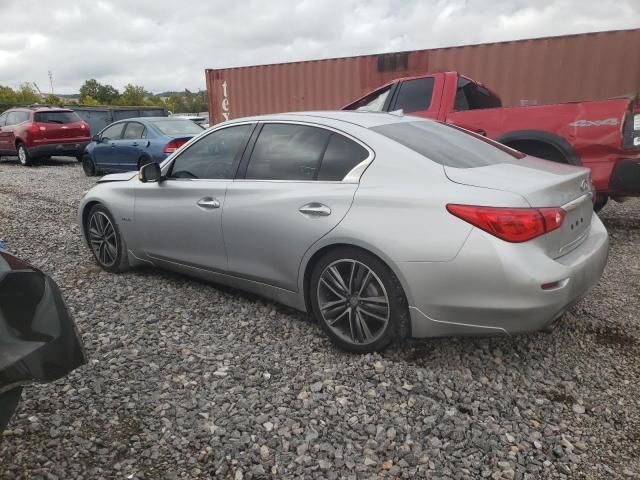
(595, 123)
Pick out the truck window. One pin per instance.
(414, 95)
(471, 96)
(372, 102)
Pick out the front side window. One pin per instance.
(287, 152)
(415, 95)
(57, 117)
(3, 120)
(374, 102)
(471, 96)
(14, 118)
(133, 131)
(114, 132)
(213, 156)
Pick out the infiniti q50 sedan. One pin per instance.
(380, 225)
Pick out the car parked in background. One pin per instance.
(40, 132)
(129, 144)
(381, 225)
(38, 338)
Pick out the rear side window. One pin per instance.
(340, 157)
(414, 95)
(114, 132)
(56, 117)
(448, 145)
(213, 156)
(3, 120)
(471, 96)
(14, 118)
(177, 127)
(133, 131)
(287, 152)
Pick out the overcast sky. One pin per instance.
(167, 44)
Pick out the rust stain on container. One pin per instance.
(537, 71)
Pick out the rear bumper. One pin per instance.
(63, 149)
(493, 287)
(625, 179)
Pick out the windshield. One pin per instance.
(177, 127)
(448, 145)
(56, 117)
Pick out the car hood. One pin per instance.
(38, 338)
(118, 177)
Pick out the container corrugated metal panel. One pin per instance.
(537, 71)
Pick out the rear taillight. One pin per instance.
(173, 145)
(510, 224)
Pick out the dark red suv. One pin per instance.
(40, 132)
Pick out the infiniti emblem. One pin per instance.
(584, 185)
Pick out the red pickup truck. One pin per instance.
(602, 135)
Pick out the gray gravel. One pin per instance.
(187, 380)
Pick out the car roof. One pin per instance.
(142, 119)
(37, 108)
(364, 119)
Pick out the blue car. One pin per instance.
(129, 144)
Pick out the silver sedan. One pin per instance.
(382, 226)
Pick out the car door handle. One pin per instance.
(315, 209)
(135, 144)
(209, 203)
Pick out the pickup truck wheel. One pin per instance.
(601, 201)
(23, 155)
(539, 149)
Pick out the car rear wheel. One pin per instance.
(89, 166)
(8, 403)
(358, 301)
(23, 155)
(106, 242)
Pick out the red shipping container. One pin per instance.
(570, 68)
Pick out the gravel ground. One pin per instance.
(186, 380)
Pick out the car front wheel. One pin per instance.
(23, 155)
(358, 301)
(106, 242)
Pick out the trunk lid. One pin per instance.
(60, 125)
(542, 184)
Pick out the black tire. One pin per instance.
(601, 201)
(142, 161)
(80, 158)
(23, 155)
(8, 403)
(89, 166)
(109, 251)
(350, 331)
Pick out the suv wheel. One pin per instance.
(23, 155)
(358, 301)
(106, 242)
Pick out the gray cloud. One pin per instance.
(165, 45)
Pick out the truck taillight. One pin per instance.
(510, 224)
(631, 126)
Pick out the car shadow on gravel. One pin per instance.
(44, 162)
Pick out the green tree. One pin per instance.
(27, 94)
(107, 94)
(90, 88)
(132, 95)
(53, 100)
(7, 95)
(89, 101)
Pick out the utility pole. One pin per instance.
(51, 81)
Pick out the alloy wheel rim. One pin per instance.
(353, 301)
(22, 155)
(103, 239)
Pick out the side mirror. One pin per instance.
(96, 138)
(150, 173)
